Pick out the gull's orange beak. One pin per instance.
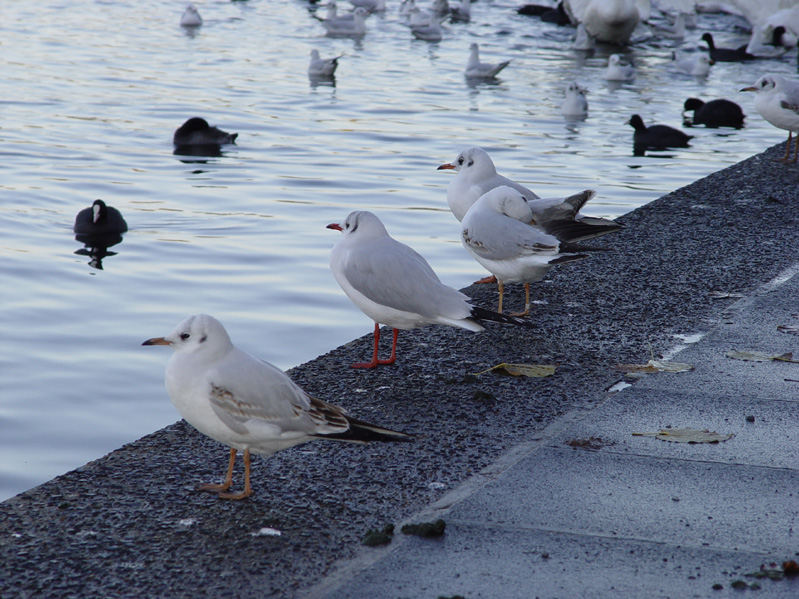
(446, 166)
(751, 88)
(157, 341)
(335, 226)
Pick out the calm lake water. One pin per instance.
(90, 96)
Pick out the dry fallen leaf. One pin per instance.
(656, 366)
(531, 370)
(686, 435)
(756, 356)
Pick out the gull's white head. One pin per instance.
(574, 88)
(765, 84)
(474, 164)
(507, 201)
(362, 222)
(314, 54)
(199, 334)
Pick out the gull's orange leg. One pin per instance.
(491, 279)
(526, 301)
(501, 289)
(215, 488)
(375, 361)
(788, 148)
(247, 488)
(393, 357)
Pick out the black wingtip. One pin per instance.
(365, 432)
(479, 313)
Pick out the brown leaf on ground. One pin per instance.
(756, 356)
(686, 435)
(529, 370)
(656, 366)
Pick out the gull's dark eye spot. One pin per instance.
(471, 162)
(460, 159)
(203, 338)
(184, 336)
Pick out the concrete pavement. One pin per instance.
(590, 510)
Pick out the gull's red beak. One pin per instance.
(446, 166)
(157, 341)
(335, 226)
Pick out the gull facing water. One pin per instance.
(246, 403)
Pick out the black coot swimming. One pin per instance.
(716, 113)
(197, 136)
(655, 137)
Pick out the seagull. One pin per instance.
(476, 175)
(322, 67)
(99, 220)
(655, 137)
(777, 101)
(726, 54)
(496, 233)
(246, 403)
(425, 26)
(393, 284)
(617, 70)
(197, 132)
(481, 70)
(694, 63)
(574, 104)
(353, 25)
(191, 17)
(716, 113)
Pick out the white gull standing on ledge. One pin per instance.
(246, 403)
(393, 284)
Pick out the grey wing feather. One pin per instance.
(516, 238)
(395, 275)
(253, 390)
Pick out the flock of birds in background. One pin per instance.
(254, 407)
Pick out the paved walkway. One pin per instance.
(624, 515)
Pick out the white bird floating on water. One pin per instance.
(322, 67)
(425, 26)
(246, 403)
(692, 63)
(777, 101)
(481, 70)
(394, 285)
(350, 25)
(609, 21)
(191, 17)
(575, 104)
(617, 70)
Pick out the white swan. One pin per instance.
(609, 21)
